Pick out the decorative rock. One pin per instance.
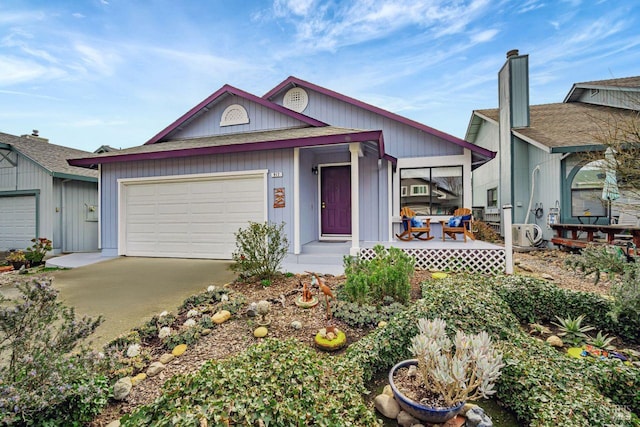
(211, 288)
(405, 419)
(418, 425)
(221, 317)
(439, 275)
(326, 344)
(575, 352)
(555, 341)
(382, 324)
(466, 408)
(477, 418)
(260, 332)
(193, 313)
(122, 388)
(296, 324)
(224, 298)
(387, 390)
(155, 368)
(525, 267)
(163, 314)
(114, 423)
(179, 350)
(133, 350)
(138, 378)
(546, 276)
(457, 421)
(165, 331)
(206, 331)
(412, 371)
(387, 406)
(166, 358)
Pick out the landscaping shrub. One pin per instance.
(41, 381)
(36, 252)
(598, 259)
(364, 315)
(541, 385)
(260, 248)
(536, 300)
(386, 275)
(279, 382)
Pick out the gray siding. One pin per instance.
(486, 176)
(274, 161)
(520, 180)
(547, 189)
(31, 176)
(260, 118)
(400, 140)
(8, 172)
(504, 152)
(612, 98)
(519, 91)
(78, 225)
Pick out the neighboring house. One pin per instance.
(540, 166)
(330, 167)
(41, 195)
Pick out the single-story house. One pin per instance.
(41, 195)
(328, 166)
(542, 168)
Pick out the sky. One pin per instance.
(87, 73)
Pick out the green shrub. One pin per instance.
(625, 291)
(36, 252)
(364, 315)
(598, 259)
(233, 301)
(386, 275)
(279, 382)
(260, 248)
(536, 300)
(41, 382)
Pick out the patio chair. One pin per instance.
(414, 228)
(459, 223)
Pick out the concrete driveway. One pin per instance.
(129, 291)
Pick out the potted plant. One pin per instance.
(17, 259)
(446, 374)
(35, 254)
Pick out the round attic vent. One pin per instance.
(296, 99)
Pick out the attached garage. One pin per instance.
(192, 216)
(17, 221)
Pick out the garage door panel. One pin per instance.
(195, 219)
(17, 222)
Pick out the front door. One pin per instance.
(335, 200)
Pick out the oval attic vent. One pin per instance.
(296, 99)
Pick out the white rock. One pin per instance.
(163, 314)
(224, 298)
(387, 390)
(166, 358)
(555, 341)
(193, 313)
(412, 371)
(405, 419)
(165, 331)
(133, 350)
(296, 324)
(211, 288)
(114, 423)
(387, 406)
(122, 388)
(155, 368)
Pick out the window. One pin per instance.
(594, 92)
(586, 190)
(431, 190)
(492, 197)
(234, 115)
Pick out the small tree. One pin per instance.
(260, 248)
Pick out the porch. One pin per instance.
(436, 255)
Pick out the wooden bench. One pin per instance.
(410, 232)
(576, 240)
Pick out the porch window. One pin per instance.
(432, 190)
(492, 197)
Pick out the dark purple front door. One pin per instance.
(335, 199)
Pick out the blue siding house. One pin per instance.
(329, 166)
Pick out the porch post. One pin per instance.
(354, 149)
(297, 248)
(508, 238)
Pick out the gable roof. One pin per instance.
(240, 142)
(631, 84)
(51, 157)
(478, 153)
(216, 97)
(564, 127)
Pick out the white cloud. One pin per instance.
(297, 7)
(17, 70)
(530, 5)
(484, 36)
(78, 15)
(96, 59)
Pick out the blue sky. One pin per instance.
(92, 72)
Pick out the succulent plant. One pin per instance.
(465, 369)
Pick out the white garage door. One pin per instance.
(17, 222)
(190, 218)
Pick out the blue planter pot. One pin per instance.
(421, 412)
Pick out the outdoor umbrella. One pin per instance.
(610, 190)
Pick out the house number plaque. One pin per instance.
(278, 197)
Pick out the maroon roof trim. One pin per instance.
(375, 135)
(238, 92)
(294, 81)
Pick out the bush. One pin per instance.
(260, 248)
(625, 291)
(40, 381)
(387, 275)
(36, 252)
(279, 382)
(536, 300)
(364, 315)
(598, 259)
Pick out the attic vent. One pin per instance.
(296, 99)
(234, 115)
